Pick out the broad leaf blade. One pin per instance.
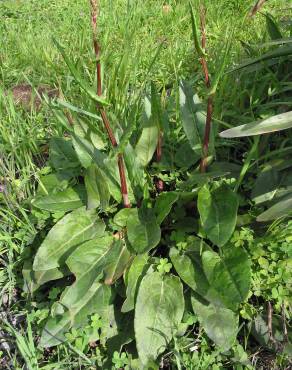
(163, 205)
(134, 276)
(63, 201)
(218, 213)
(148, 140)
(142, 230)
(192, 116)
(95, 300)
(73, 229)
(220, 324)
(97, 188)
(229, 274)
(159, 311)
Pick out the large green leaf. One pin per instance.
(218, 213)
(229, 274)
(86, 263)
(64, 201)
(94, 300)
(192, 116)
(73, 229)
(34, 279)
(148, 140)
(220, 324)
(89, 155)
(281, 209)
(134, 168)
(158, 313)
(188, 265)
(52, 183)
(276, 123)
(163, 205)
(97, 188)
(142, 230)
(117, 261)
(62, 154)
(134, 276)
(103, 256)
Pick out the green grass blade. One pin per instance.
(83, 84)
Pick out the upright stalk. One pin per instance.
(257, 7)
(121, 165)
(160, 183)
(203, 61)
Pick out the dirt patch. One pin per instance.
(26, 96)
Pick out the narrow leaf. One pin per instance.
(276, 123)
(135, 274)
(278, 210)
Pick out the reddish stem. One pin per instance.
(159, 183)
(121, 165)
(257, 7)
(203, 165)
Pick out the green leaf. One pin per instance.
(278, 210)
(271, 56)
(103, 256)
(273, 28)
(193, 117)
(117, 261)
(89, 155)
(95, 300)
(142, 230)
(266, 185)
(52, 183)
(73, 229)
(148, 140)
(185, 156)
(97, 188)
(83, 84)
(158, 313)
(135, 274)
(62, 154)
(220, 324)
(218, 213)
(86, 263)
(134, 168)
(163, 205)
(195, 30)
(188, 265)
(121, 218)
(276, 123)
(34, 279)
(229, 274)
(63, 201)
(73, 108)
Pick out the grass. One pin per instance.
(130, 32)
